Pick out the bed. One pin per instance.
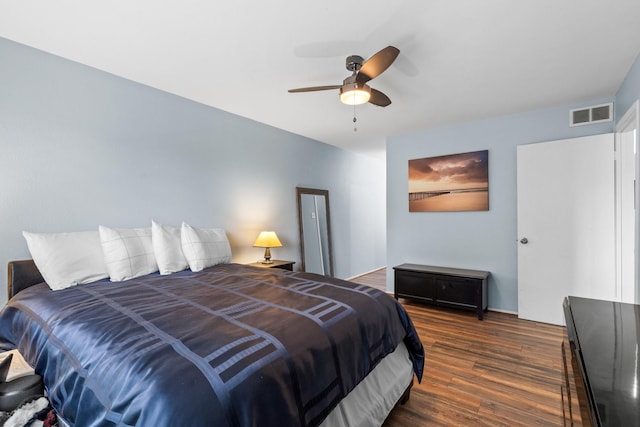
(232, 345)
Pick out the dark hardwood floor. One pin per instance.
(501, 371)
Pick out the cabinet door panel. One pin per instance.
(457, 291)
(415, 285)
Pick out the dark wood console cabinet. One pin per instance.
(601, 354)
(442, 286)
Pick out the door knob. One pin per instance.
(524, 240)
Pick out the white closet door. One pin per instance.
(626, 236)
(566, 224)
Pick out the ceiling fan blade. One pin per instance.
(376, 65)
(378, 98)
(314, 88)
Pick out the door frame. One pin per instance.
(629, 120)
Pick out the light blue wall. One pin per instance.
(80, 147)
(629, 91)
(480, 240)
(474, 240)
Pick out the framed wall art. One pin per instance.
(455, 182)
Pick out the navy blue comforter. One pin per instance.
(230, 346)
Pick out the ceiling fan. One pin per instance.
(354, 90)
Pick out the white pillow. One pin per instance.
(67, 259)
(128, 252)
(167, 248)
(204, 247)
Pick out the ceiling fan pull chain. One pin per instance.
(355, 125)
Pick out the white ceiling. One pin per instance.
(459, 60)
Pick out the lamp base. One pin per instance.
(267, 256)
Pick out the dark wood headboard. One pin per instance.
(21, 275)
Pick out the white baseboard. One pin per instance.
(502, 311)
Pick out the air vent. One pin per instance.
(590, 115)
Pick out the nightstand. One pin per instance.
(277, 263)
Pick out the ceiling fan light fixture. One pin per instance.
(355, 94)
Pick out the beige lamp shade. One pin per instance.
(267, 239)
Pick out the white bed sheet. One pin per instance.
(369, 404)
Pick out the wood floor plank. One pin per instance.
(501, 371)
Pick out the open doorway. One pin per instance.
(626, 201)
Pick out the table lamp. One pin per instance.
(267, 240)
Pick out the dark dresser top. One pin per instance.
(448, 271)
(607, 335)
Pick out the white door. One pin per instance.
(566, 224)
(626, 139)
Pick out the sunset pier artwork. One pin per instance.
(426, 194)
(456, 182)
